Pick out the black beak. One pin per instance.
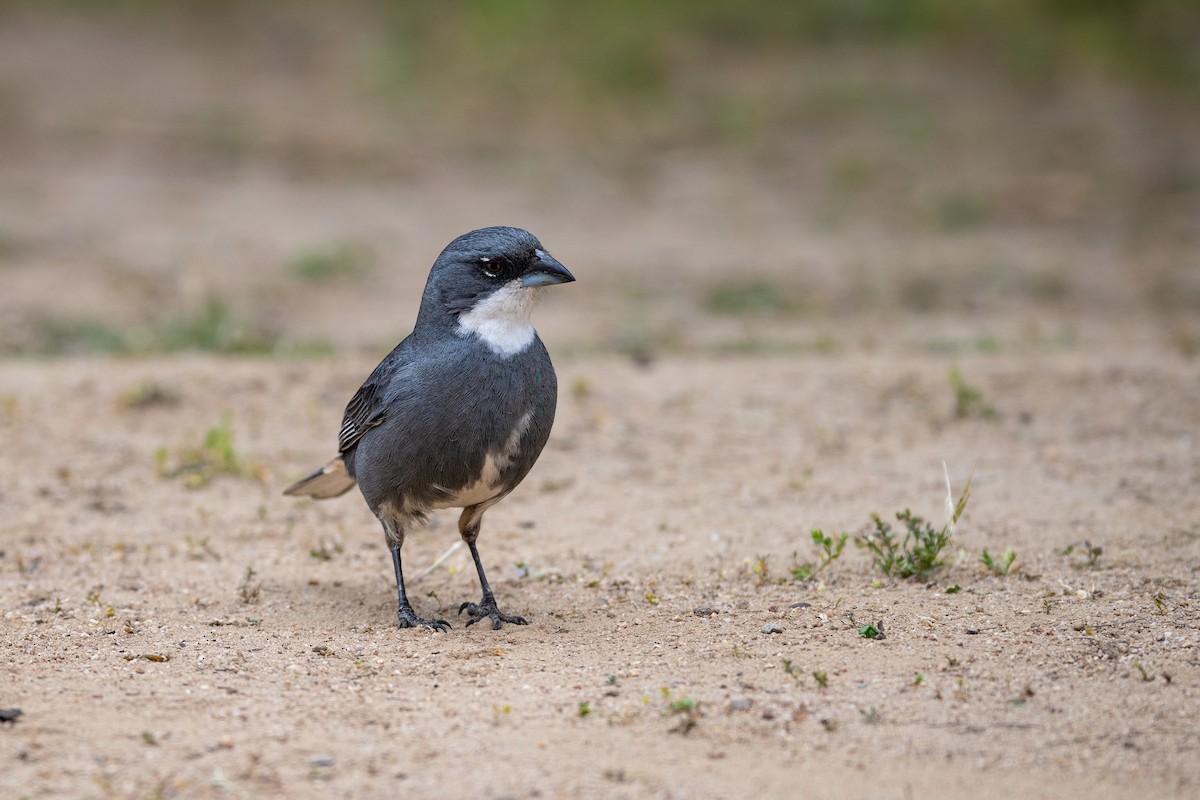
(545, 271)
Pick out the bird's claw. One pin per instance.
(408, 619)
(487, 609)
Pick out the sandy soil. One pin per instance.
(660, 490)
(169, 639)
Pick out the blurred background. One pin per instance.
(723, 177)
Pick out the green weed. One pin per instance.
(248, 590)
(1001, 566)
(213, 328)
(148, 394)
(968, 400)
(959, 210)
(76, 337)
(1092, 555)
(686, 709)
(918, 553)
(339, 262)
(760, 568)
(872, 630)
(200, 549)
(831, 547)
(199, 465)
(750, 296)
(324, 551)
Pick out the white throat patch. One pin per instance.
(502, 320)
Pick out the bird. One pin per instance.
(456, 415)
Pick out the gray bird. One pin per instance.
(457, 414)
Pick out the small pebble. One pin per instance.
(800, 605)
(741, 704)
(322, 761)
(704, 611)
(971, 629)
(772, 627)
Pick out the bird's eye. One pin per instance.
(486, 266)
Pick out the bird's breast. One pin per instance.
(490, 482)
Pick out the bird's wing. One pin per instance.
(363, 412)
(369, 405)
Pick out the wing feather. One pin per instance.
(368, 407)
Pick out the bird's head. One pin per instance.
(489, 280)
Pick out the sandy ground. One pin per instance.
(659, 492)
(169, 639)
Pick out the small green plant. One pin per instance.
(918, 679)
(821, 677)
(248, 590)
(324, 551)
(872, 630)
(200, 549)
(831, 547)
(148, 394)
(683, 705)
(1092, 553)
(968, 400)
(760, 569)
(919, 552)
(345, 261)
(1160, 604)
(585, 708)
(58, 336)
(959, 210)
(1001, 566)
(685, 708)
(198, 465)
(748, 297)
(214, 328)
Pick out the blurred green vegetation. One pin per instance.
(343, 261)
(721, 69)
(212, 328)
(950, 119)
(626, 59)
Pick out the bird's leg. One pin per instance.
(468, 526)
(404, 613)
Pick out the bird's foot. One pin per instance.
(486, 608)
(408, 619)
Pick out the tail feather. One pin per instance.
(330, 480)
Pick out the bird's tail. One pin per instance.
(330, 480)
